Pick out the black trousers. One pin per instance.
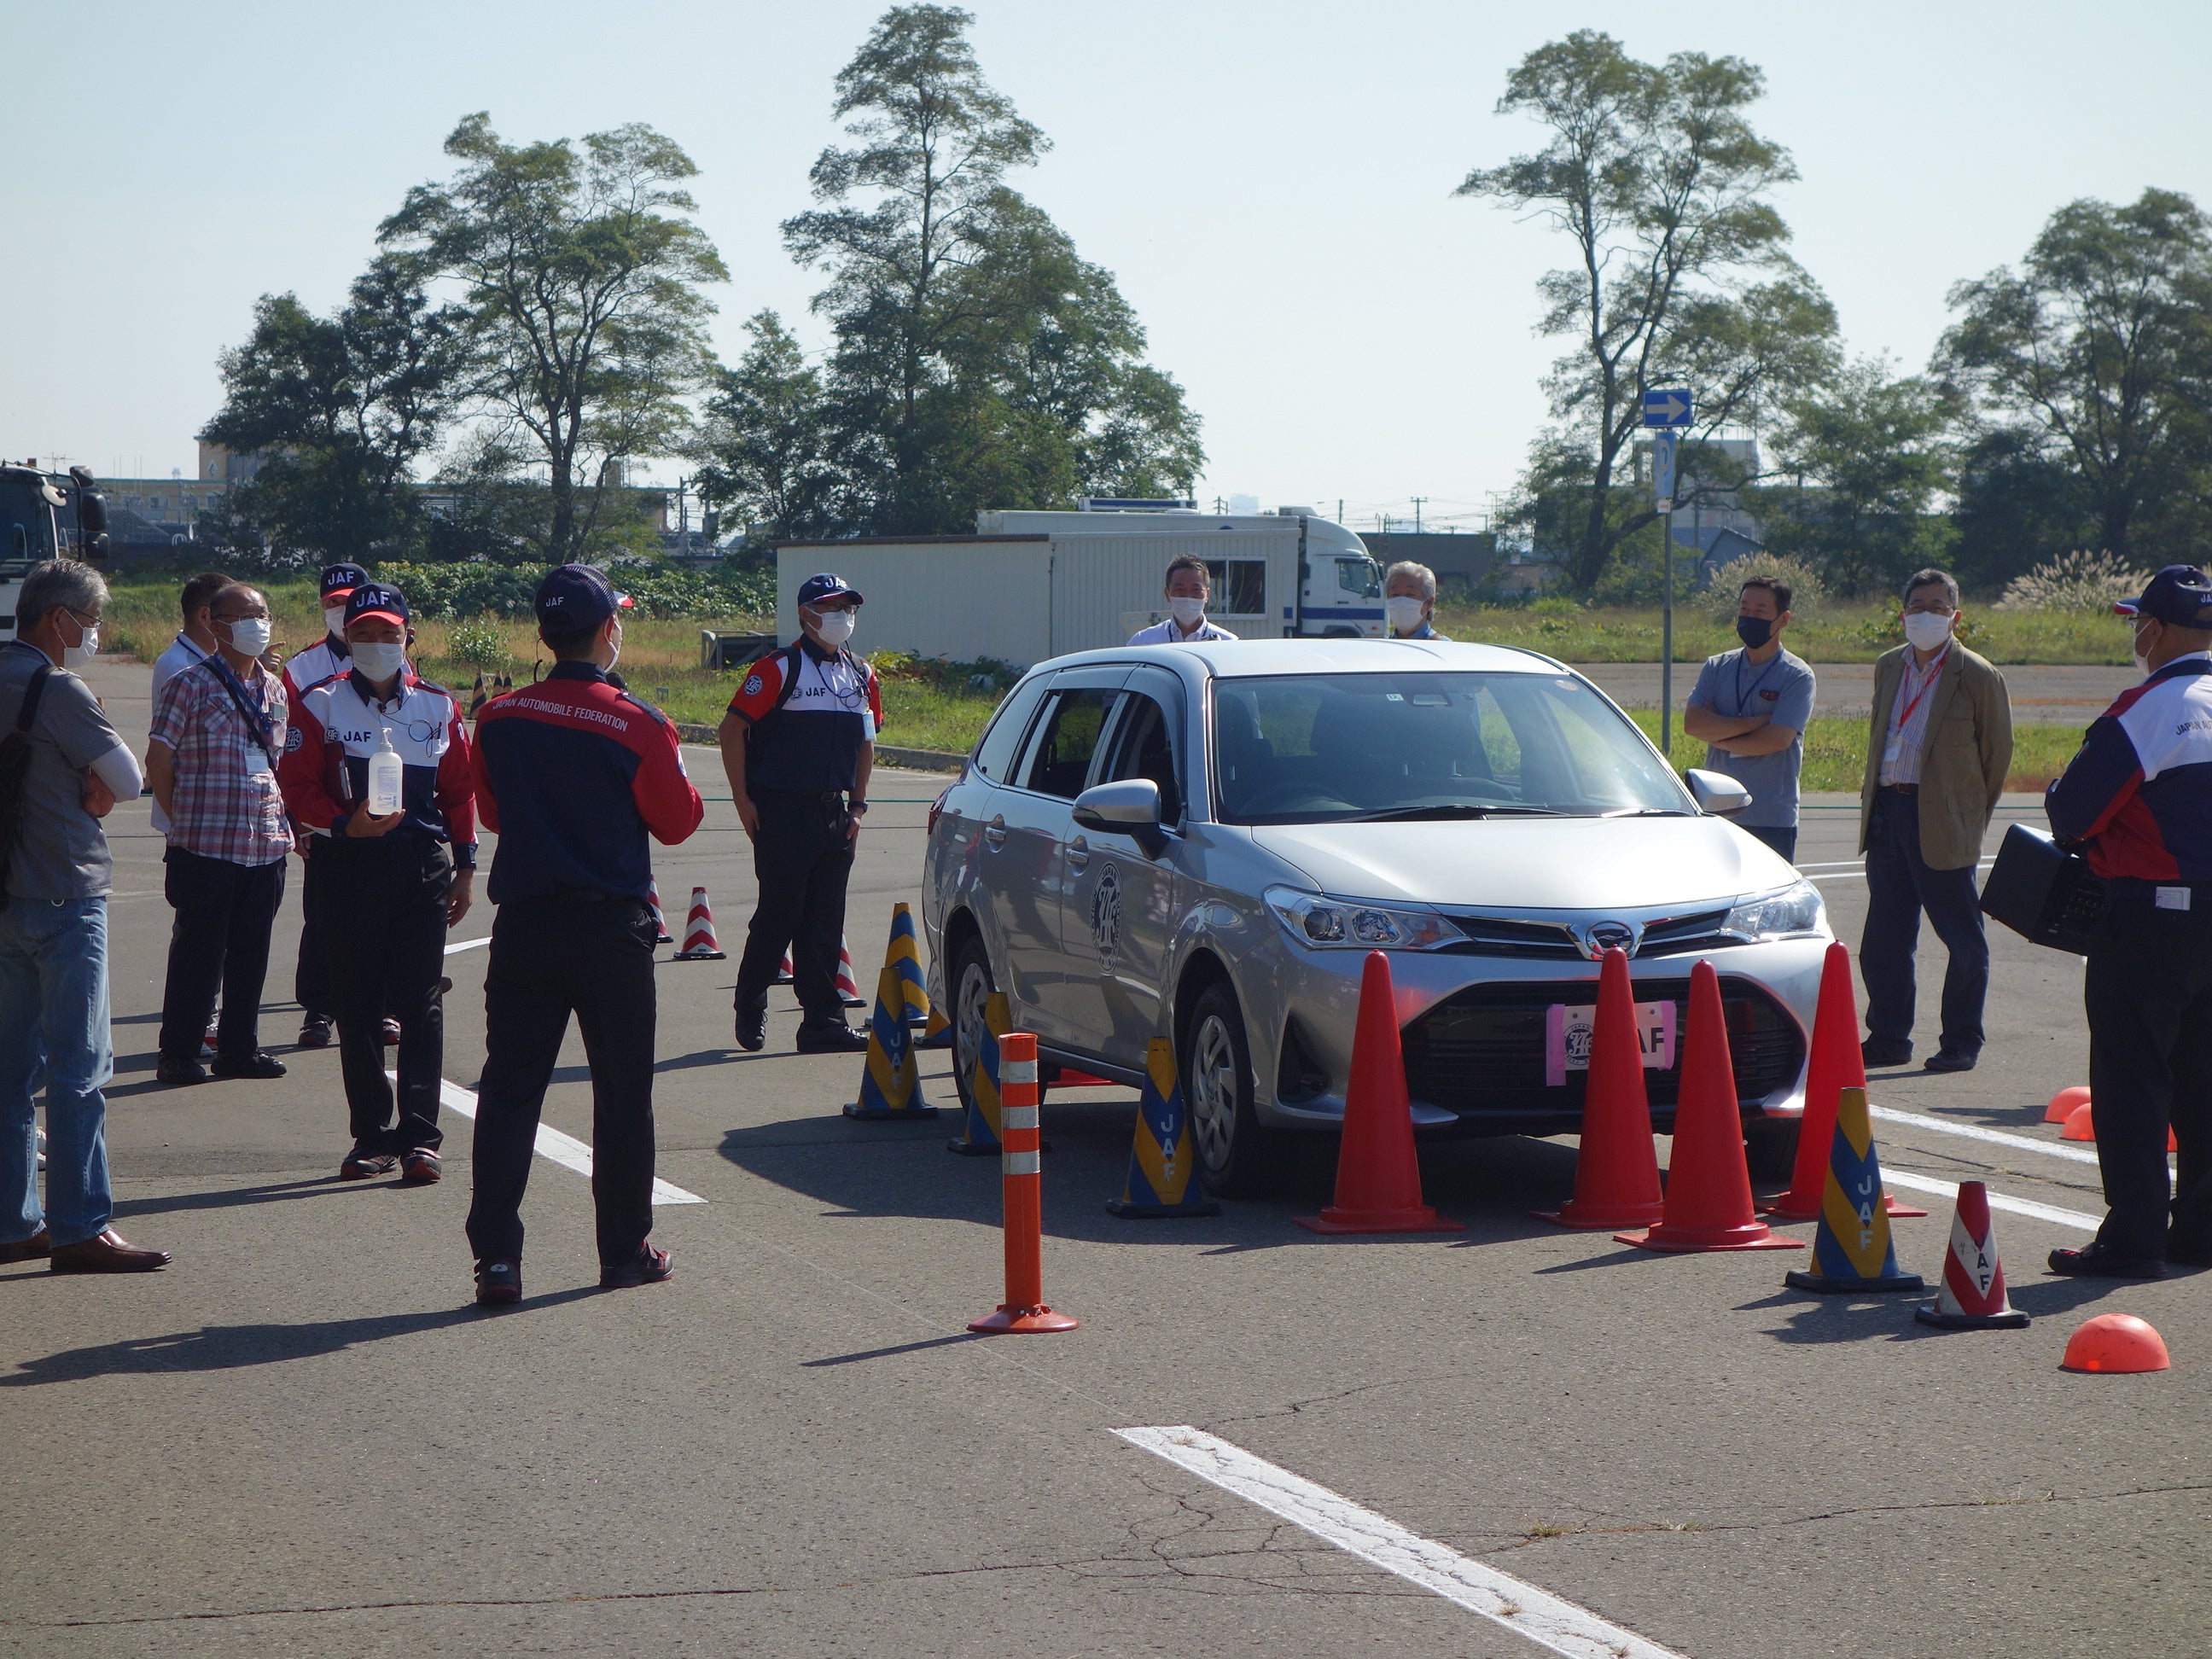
(310, 979)
(220, 938)
(802, 860)
(550, 958)
(2148, 993)
(379, 909)
(1900, 886)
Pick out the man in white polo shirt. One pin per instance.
(1187, 589)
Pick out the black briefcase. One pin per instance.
(2044, 893)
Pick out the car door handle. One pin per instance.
(994, 833)
(1079, 854)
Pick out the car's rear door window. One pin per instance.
(1059, 760)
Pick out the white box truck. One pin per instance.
(1029, 585)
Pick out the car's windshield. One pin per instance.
(1322, 748)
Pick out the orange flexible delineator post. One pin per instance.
(1021, 1171)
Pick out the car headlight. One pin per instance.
(1788, 911)
(1322, 923)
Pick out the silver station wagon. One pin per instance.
(1203, 843)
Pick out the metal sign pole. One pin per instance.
(1667, 643)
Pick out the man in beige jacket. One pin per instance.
(1939, 743)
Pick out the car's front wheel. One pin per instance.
(1237, 1158)
(972, 986)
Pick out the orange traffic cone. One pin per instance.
(2063, 1102)
(1708, 1181)
(1617, 1171)
(1834, 1065)
(2115, 1342)
(699, 944)
(660, 933)
(1378, 1179)
(1972, 1295)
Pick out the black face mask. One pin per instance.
(1754, 631)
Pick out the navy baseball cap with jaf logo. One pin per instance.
(575, 598)
(340, 579)
(375, 599)
(815, 589)
(2180, 594)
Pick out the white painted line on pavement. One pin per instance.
(1920, 1184)
(1543, 1617)
(467, 944)
(564, 1150)
(1857, 872)
(1975, 1132)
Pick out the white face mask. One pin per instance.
(86, 648)
(2143, 658)
(248, 635)
(378, 659)
(1404, 615)
(835, 626)
(1926, 630)
(614, 653)
(334, 619)
(1187, 613)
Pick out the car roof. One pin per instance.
(1249, 659)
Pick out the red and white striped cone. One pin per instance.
(849, 988)
(699, 944)
(783, 971)
(1973, 1296)
(660, 933)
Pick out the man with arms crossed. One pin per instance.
(1751, 706)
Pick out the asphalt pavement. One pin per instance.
(303, 1438)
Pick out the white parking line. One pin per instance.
(1975, 1132)
(1541, 1617)
(1857, 872)
(1920, 1184)
(564, 1150)
(455, 949)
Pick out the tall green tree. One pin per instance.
(582, 275)
(978, 362)
(343, 407)
(1681, 274)
(2097, 352)
(762, 448)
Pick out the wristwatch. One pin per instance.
(856, 807)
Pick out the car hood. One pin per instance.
(1531, 864)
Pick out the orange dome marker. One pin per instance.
(2080, 1125)
(2063, 1102)
(2115, 1342)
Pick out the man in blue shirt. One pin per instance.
(1751, 706)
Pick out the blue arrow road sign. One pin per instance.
(1667, 406)
(1662, 471)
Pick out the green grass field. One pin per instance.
(927, 705)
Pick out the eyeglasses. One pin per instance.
(1938, 608)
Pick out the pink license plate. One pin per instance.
(1567, 1038)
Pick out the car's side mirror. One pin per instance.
(1130, 807)
(1717, 792)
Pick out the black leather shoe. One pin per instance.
(366, 1162)
(315, 1031)
(1948, 1060)
(831, 1040)
(499, 1283)
(752, 1025)
(647, 1267)
(2100, 1261)
(1875, 1051)
(179, 1073)
(258, 1064)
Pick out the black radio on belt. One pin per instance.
(2044, 893)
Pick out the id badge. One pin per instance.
(257, 762)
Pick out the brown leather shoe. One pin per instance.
(29, 1249)
(107, 1252)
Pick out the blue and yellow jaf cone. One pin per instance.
(981, 1135)
(904, 954)
(937, 1033)
(1853, 1250)
(891, 1086)
(1163, 1160)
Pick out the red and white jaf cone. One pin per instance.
(660, 933)
(699, 944)
(849, 988)
(783, 968)
(1973, 1296)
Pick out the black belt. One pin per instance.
(826, 796)
(1902, 788)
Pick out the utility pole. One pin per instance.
(1418, 500)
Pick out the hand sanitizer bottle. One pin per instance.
(385, 772)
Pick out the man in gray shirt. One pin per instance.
(1751, 706)
(53, 934)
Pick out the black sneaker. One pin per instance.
(838, 1039)
(647, 1267)
(315, 1031)
(365, 1163)
(419, 1166)
(2097, 1260)
(499, 1283)
(258, 1064)
(1948, 1060)
(752, 1025)
(1882, 1051)
(178, 1073)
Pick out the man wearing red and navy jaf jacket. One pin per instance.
(2138, 800)
(380, 910)
(573, 774)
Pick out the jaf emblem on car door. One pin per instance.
(1106, 914)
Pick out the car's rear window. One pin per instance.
(1305, 748)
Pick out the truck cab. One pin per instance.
(45, 515)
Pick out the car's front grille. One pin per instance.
(1480, 1052)
(1685, 935)
(1497, 936)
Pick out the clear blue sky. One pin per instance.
(1271, 182)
